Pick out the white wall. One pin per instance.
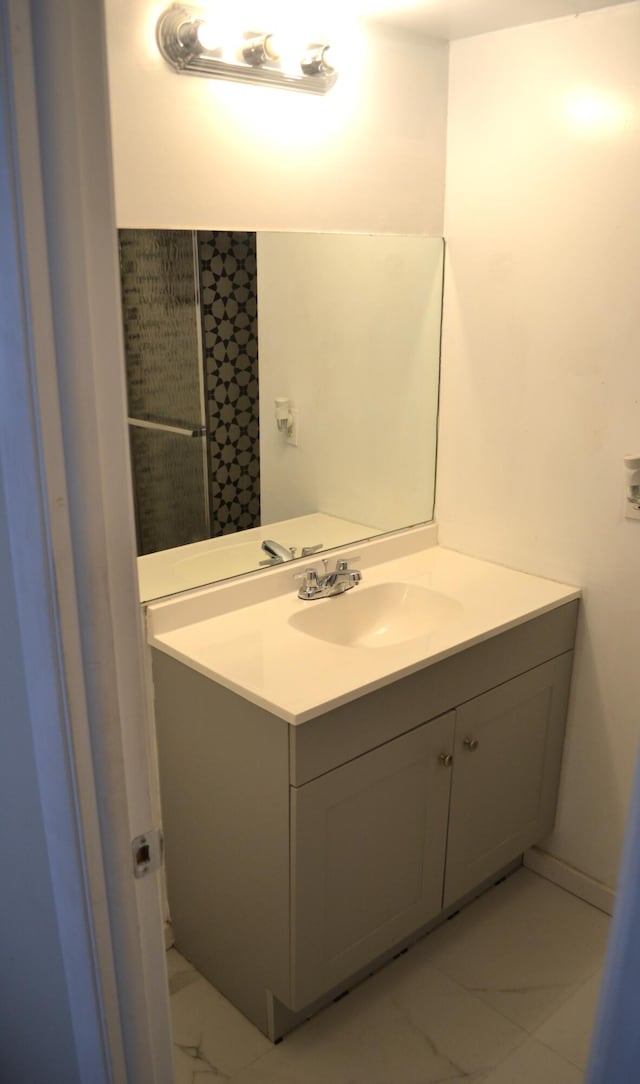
(349, 331)
(539, 395)
(202, 153)
(541, 380)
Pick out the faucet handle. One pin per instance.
(306, 551)
(310, 576)
(310, 587)
(343, 569)
(342, 564)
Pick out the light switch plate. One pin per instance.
(293, 434)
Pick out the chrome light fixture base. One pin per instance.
(180, 45)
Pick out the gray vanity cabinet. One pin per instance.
(300, 857)
(385, 843)
(368, 844)
(506, 763)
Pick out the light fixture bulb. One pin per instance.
(207, 38)
(271, 47)
(286, 47)
(187, 34)
(260, 49)
(331, 58)
(315, 60)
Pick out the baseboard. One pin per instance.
(579, 884)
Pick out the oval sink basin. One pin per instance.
(384, 615)
(223, 559)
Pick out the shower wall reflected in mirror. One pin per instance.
(190, 326)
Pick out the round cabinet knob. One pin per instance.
(446, 760)
(471, 744)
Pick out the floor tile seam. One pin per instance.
(523, 1035)
(188, 966)
(483, 1074)
(482, 999)
(431, 1043)
(563, 1057)
(486, 1075)
(574, 989)
(558, 1053)
(578, 987)
(210, 1069)
(446, 975)
(254, 1061)
(184, 986)
(246, 1065)
(189, 986)
(595, 971)
(216, 1073)
(547, 1014)
(220, 999)
(183, 971)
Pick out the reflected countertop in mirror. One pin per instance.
(185, 567)
(218, 325)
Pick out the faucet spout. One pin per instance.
(278, 552)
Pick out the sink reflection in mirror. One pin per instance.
(173, 570)
(384, 615)
(217, 326)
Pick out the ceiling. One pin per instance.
(450, 19)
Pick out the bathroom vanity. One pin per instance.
(325, 802)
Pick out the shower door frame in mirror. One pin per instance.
(220, 324)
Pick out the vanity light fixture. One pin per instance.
(186, 39)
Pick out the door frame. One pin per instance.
(65, 463)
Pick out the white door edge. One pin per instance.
(64, 456)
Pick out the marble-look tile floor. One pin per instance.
(502, 993)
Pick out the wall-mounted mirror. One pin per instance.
(342, 330)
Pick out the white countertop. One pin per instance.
(253, 649)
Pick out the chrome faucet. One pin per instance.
(277, 552)
(324, 585)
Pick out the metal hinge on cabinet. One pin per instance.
(146, 851)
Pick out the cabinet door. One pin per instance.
(368, 846)
(506, 764)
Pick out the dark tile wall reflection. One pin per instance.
(176, 503)
(229, 305)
